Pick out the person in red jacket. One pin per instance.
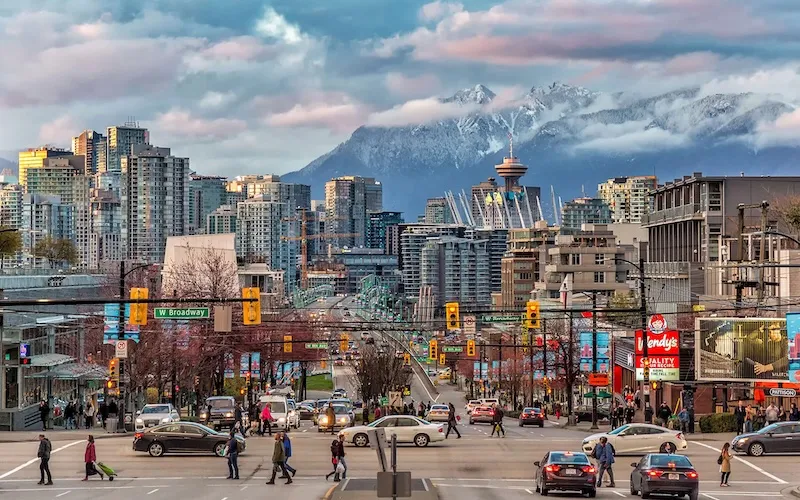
(90, 457)
(266, 419)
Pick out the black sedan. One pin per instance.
(663, 473)
(782, 437)
(584, 412)
(183, 437)
(531, 416)
(306, 412)
(566, 471)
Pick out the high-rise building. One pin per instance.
(44, 216)
(34, 158)
(412, 240)
(154, 197)
(11, 206)
(524, 262)
(221, 220)
(206, 194)
(377, 227)
(628, 197)
(92, 146)
(437, 211)
(120, 140)
(457, 270)
(348, 200)
(105, 239)
(581, 211)
(54, 176)
(262, 226)
(497, 246)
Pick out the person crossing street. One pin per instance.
(451, 422)
(278, 459)
(287, 447)
(497, 421)
(233, 457)
(45, 448)
(604, 453)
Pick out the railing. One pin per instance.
(671, 213)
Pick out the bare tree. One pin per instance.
(200, 273)
(376, 373)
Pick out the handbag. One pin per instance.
(719, 460)
(334, 460)
(340, 468)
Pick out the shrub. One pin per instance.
(718, 422)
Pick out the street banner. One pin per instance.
(256, 365)
(228, 365)
(741, 349)
(603, 351)
(111, 325)
(793, 331)
(244, 365)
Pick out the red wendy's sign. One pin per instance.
(659, 362)
(658, 344)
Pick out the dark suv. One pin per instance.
(219, 412)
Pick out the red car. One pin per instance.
(481, 414)
(534, 416)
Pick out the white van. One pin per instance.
(279, 407)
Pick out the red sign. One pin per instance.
(659, 362)
(658, 344)
(598, 379)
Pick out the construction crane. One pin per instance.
(303, 239)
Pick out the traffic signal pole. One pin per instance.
(643, 313)
(594, 360)
(121, 336)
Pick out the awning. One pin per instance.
(73, 371)
(50, 360)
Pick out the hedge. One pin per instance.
(718, 422)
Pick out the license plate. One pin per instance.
(151, 425)
(674, 476)
(571, 472)
(215, 422)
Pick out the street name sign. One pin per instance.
(500, 318)
(317, 345)
(452, 348)
(181, 313)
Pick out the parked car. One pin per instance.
(638, 439)
(531, 416)
(781, 437)
(155, 414)
(305, 411)
(665, 474)
(584, 412)
(482, 415)
(407, 428)
(565, 471)
(183, 437)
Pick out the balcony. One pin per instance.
(691, 211)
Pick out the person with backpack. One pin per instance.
(497, 421)
(233, 456)
(604, 453)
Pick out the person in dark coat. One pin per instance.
(287, 448)
(45, 448)
(278, 458)
(451, 422)
(44, 413)
(233, 457)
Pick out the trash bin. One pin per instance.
(112, 424)
(572, 419)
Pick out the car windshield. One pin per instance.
(769, 428)
(568, 458)
(440, 407)
(474, 402)
(532, 410)
(340, 410)
(155, 409)
(219, 403)
(322, 402)
(666, 460)
(277, 406)
(618, 430)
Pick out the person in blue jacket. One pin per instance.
(604, 453)
(287, 446)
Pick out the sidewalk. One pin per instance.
(57, 435)
(584, 427)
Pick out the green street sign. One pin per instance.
(500, 318)
(384, 401)
(317, 345)
(452, 348)
(422, 359)
(181, 313)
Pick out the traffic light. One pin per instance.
(453, 317)
(323, 364)
(433, 350)
(113, 369)
(251, 309)
(407, 359)
(646, 368)
(442, 359)
(139, 311)
(532, 319)
(470, 347)
(410, 344)
(287, 343)
(344, 343)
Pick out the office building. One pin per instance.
(154, 197)
(92, 146)
(437, 211)
(348, 201)
(628, 197)
(221, 220)
(582, 211)
(105, 239)
(262, 226)
(456, 270)
(523, 264)
(206, 194)
(34, 158)
(412, 239)
(44, 216)
(120, 141)
(378, 225)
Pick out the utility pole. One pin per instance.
(643, 314)
(544, 361)
(594, 360)
(121, 336)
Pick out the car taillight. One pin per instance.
(441, 430)
(679, 436)
(691, 474)
(552, 468)
(138, 435)
(588, 469)
(655, 473)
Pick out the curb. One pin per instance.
(795, 492)
(329, 494)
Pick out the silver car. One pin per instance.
(639, 439)
(155, 414)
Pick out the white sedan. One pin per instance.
(473, 403)
(639, 439)
(438, 413)
(407, 428)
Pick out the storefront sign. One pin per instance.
(663, 350)
(742, 349)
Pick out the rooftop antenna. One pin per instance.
(510, 145)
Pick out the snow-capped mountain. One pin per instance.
(568, 136)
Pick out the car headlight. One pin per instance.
(139, 421)
(323, 420)
(166, 420)
(203, 414)
(229, 414)
(282, 419)
(291, 413)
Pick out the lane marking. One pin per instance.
(62, 494)
(243, 487)
(34, 460)
(153, 491)
(709, 496)
(618, 493)
(749, 464)
(528, 491)
(425, 484)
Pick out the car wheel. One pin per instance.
(471, 422)
(421, 440)
(541, 426)
(543, 491)
(360, 440)
(521, 424)
(536, 486)
(634, 491)
(156, 449)
(694, 494)
(755, 449)
(667, 447)
(591, 493)
(219, 449)
(643, 493)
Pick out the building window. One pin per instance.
(599, 258)
(599, 277)
(575, 259)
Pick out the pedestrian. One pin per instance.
(113, 409)
(278, 458)
(377, 412)
(238, 415)
(334, 461)
(748, 419)
(604, 453)
(44, 456)
(89, 459)
(683, 418)
(794, 413)
(233, 457)
(724, 462)
(497, 421)
(69, 416)
(340, 457)
(771, 414)
(287, 448)
(612, 417)
(330, 414)
(740, 413)
(630, 411)
(103, 413)
(664, 413)
(44, 413)
(781, 414)
(451, 422)
(421, 413)
(89, 415)
(266, 419)
(79, 419)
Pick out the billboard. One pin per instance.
(793, 333)
(663, 351)
(741, 349)
(603, 352)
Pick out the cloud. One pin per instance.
(420, 111)
(437, 10)
(216, 99)
(632, 141)
(785, 131)
(183, 124)
(59, 132)
(273, 25)
(342, 116)
(784, 81)
(412, 86)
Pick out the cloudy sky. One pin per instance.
(256, 86)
